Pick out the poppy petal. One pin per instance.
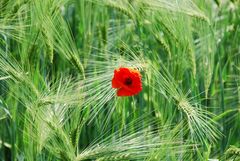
(124, 92)
(115, 83)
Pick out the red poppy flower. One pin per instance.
(127, 81)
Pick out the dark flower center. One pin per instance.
(128, 81)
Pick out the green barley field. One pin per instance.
(119, 80)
